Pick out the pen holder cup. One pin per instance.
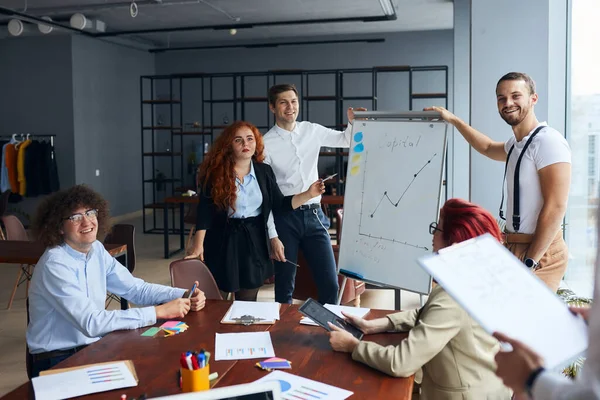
(195, 380)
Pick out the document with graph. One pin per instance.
(79, 382)
(295, 387)
(243, 346)
(503, 295)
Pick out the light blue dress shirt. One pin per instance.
(67, 295)
(4, 181)
(249, 197)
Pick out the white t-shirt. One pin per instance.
(547, 148)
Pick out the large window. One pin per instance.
(582, 132)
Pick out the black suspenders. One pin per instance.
(516, 219)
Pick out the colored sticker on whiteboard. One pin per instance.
(354, 170)
(358, 137)
(359, 148)
(355, 158)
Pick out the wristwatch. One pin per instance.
(531, 263)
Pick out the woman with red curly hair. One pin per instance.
(454, 352)
(234, 226)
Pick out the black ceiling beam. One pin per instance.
(30, 18)
(250, 26)
(261, 45)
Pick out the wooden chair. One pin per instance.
(16, 231)
(3, 206)
(123, 234)
(190, 219)
(185, 272)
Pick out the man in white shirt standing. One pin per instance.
(292, 149)
(538, 176)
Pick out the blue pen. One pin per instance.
(192, 291)
(201, 360)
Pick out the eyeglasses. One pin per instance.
(78, 218)
(434, 227)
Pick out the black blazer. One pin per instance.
(214, 220)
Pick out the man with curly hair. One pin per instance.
(70, 281)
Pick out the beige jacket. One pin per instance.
(455, 353)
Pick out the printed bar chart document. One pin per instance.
(79, 382)
(502, 295)
(243, 346)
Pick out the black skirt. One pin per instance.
(241, 259)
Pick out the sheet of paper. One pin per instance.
(337, 310)
(500, 293)
(94, 379)
(170, 324)
(151, 331)
(269, 311)
(294, 387)
(242, 346)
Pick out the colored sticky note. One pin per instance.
(151, 332)
(170, 324)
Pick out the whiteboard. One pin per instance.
(393, 189)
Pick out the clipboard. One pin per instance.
(246, 319)
(128, 363)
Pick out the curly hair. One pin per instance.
(217, 169)
(51, 213)
(462, 220)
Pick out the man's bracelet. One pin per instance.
(531, 380)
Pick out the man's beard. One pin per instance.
(517, 117)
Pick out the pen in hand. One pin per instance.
(192, 291)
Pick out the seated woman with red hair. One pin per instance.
(454, 352)
(234, 226)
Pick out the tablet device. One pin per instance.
(315, 311)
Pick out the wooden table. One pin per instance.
(308, 348)
(181, 200)
(22, 252)
(157, 359)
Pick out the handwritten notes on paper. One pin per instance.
(500, 293)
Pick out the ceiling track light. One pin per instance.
(387, 6)
(79, 21)
(17, 27)
(45, 29)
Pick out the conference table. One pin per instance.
(156, 359)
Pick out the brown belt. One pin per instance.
(523, 238)
(517, 238)
(56, 353)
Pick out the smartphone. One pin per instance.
(315, 311)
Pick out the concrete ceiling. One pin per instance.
(411, 15)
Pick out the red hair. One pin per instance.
(462, 220)
(217, 169)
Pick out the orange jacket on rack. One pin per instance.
(21, 166)
(10, 159)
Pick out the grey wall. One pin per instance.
(106, 113)
(541, 53)
(460, 163)
(36, 96)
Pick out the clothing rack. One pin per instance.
(30, 136)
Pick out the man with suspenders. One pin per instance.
(538, 176)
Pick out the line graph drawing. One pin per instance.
(395, 204)
(385, 194)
